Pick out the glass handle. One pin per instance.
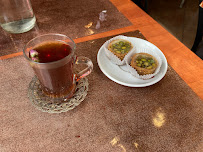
(86, 71)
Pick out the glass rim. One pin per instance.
(50, 34)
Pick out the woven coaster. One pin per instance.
(45, 104)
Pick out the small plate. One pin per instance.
(120, 74)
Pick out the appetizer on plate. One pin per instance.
(120, 48)
(144, 63)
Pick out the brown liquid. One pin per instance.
(57, 79)
(52, 51)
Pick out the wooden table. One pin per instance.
(112, 117)
(187, 64)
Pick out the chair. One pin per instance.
(199, 32)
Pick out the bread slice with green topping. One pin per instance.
(120, 47)
(144, 63)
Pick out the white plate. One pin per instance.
(120, 75)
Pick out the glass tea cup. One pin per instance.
(52, 57)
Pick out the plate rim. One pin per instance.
(134, 85)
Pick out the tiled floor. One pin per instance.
(181, 22)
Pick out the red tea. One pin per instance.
(51, 51)
(57, 80)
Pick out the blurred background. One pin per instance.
(179, 17)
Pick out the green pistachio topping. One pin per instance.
(121, 47)
(147, 63)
